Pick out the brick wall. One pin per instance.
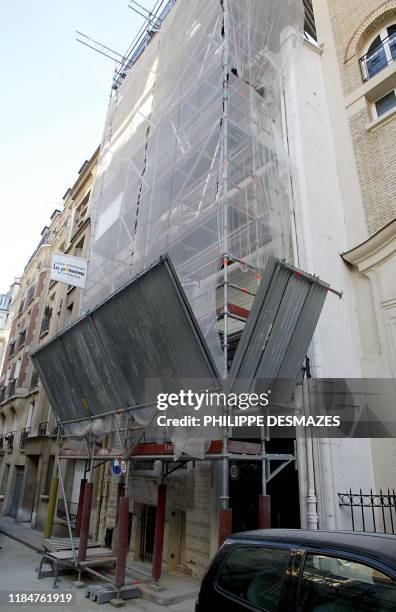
(354, 23)
(376, 159)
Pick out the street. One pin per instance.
(17, 574)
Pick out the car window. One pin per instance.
(254, 574)
(330, 584)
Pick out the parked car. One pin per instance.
(298, 570)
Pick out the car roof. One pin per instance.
(377, 545)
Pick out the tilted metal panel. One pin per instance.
(280, 327)
(142, 340)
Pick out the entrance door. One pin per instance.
(16, 494)
(147, 532)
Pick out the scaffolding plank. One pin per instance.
(280, 327)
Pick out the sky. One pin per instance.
(53, 103)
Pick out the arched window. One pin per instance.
(380, 53)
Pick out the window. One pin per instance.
(255, 575)
(48, 478)
(385, 104)
(380, 53)
(30, 416)
(22, 338)
(329, 583)
(46, 321)
(5, 478)
(17, 369)
(12, 349)
(30, 294)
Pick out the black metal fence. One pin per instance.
(371, 512)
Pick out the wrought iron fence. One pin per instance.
(371, 512)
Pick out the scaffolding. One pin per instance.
(193, 162)
(193, 165)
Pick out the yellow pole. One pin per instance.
(53, 496)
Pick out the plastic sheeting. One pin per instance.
(192, 161)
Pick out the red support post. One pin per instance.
(159, 532)
(85, 519)
(122, 541)
(80, 505)
(264, 512)
(225, 524)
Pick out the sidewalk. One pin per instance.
(21, 533)
(176, 591)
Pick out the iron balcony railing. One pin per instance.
(379, 58)
(24, 436)
(42, 428)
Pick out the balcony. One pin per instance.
(379, 57)
(24, 436)
(42, 428)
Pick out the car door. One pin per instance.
(331, 582)
(250, 577)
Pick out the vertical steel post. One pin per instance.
(159, 532)
(122, 541)
(264, 513)
(85, 520)
(225, 514)
(80, 505)
(86, 511)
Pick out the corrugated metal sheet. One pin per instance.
(142, 340)
(280, 327)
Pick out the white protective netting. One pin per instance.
(193, 161)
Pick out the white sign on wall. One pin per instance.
(68, 269)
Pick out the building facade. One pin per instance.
(338, 125)
(40, 309)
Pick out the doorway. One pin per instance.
(16, 493)
(246, 486)
(147, 532)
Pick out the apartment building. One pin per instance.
(338, 122)
(40, 309)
